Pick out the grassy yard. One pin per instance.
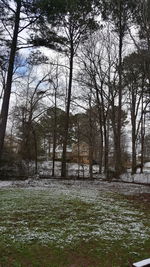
(68, 226)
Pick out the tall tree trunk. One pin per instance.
(64, 156)
(91, 160)
(78, 144)
(101, 150)
(99, 105)
(54, 134)
(142, 130)
(49, 146)
(104, 119)
(90, 141)
(7, 91)
(36, 150)
(106, 148)
(133, 151)
(114, 127)
(134, 135)
(142, 144)
(118, 156)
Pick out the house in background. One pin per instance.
(59, 151)
(80, 153)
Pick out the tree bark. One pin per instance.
(78, 144)
(101, 149)
(90, 141)
(133, 151)
(118, 156)
(7, 92)
(142, 129)
(99, 105)
(36, 150)
(64, 156)
(104, 120)
(134, 135)
(54, 134)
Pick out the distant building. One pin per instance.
(59, 151)
(80, 153)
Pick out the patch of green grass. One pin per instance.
(61, 227)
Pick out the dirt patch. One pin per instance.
(141, 199)
(84, 261)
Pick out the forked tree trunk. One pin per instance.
(7, 91)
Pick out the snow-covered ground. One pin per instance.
(82, 171)
(65, 212)
(143, 178)
(95, 186)
(45, 169)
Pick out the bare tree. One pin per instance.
(30, 109)
(99, 75)
(136, 82)
(21, 8)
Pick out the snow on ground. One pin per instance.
(64, 212)
(5, 184)
(45, 168)
(95, 186)
(83, 171)
(147, 165)
(137, 178)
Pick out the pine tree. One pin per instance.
(75, 20)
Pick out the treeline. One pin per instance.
(92, 88)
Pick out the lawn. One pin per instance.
(69, 225)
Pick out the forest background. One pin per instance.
(75, 79)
